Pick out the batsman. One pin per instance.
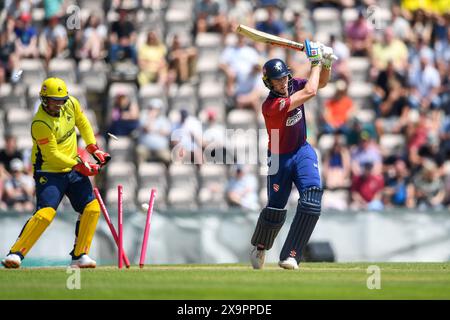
(59, 171)
(292, 160)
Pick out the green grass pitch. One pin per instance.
(231, 281)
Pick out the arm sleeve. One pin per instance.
(46, 141)
(83, 124)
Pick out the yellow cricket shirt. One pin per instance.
(55, 139)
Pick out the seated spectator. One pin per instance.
(214, 138)
(398, 190)
(19, 189)
(27, 38)
(272, 24)
(400, 25)
(394, 110)
(389, 49)
(367, 189)
(10, 152)
(54, 8)
(241, 190)
(240, 64)
(155, 133)
(93, 38)
(122, 39)
(152, 61)
(239, 12)
(182, 61)
(8, 58)
(366, 151)
(210, 16)
(338, 110)
(55, 40)
(429, 190)
(125, 116)
(336, 169)
(359, 35)
(356, 127)
(186, 139)
(425, 83)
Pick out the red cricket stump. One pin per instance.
(147, 228)
(120, 224)
(110, 225)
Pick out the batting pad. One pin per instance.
(87, 226)
(33, 229)
(269, 224)
(306, 217)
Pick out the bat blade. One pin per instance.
(264, 37)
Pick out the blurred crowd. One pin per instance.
(177, 76)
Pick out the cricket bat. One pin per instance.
(264, 37)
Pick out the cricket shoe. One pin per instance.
(12, 261)
(83, 262)
(257, 257)
(290, 264)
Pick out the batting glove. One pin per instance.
(313, 52)
(100, 156)
(328, 56)
(87, 168)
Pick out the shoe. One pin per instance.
(290, 264)
(12, 261)
(83, 262)
(257, 257)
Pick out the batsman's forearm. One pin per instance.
(324, 77)
(313, 81)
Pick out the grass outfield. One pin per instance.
(232, 281)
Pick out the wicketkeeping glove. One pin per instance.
(313, 52)
(87, 168)
(100, 156)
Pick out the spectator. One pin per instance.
(366, 190)
(19, 189)
(182, 61)
(14, 8)
(393, 112)
(272, 24)
(239, 12)
(93, 39)
(429, 190)
(54, 8)
(27, 40)
(338, 110)
(122, 39)
(359, 34)
(400, 25)
(55, 40)
(152, 61)
(155, 132)
(341, 69)
(186, 138)
(398, 191)
(10, 152)
(209, 16)
(239, 63)
(389, 49)
(214, 135)
(366, 151)
(8, 58)
(425, 82)
(125, 116)
(241, 190)
(336, 169)
(302, 24)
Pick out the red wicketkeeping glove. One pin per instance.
(101, 156)
(87, 168)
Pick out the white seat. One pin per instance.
(210, 94)
(360, 92)
(183, 97)
(182, 198)
(152, 174)
(327, 20)
(241, 118)
(335, 199)
(365, 115)
(391, 143)
(359, 68)
(33, 71)
(63, 68)
(121, 149)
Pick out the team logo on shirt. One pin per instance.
(294, 119)
(282, 104)
(43, 180)
(276, 187)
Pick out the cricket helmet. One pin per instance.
(53, 88)
(275, 69)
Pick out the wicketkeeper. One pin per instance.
(291, 157)
(59, 171)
